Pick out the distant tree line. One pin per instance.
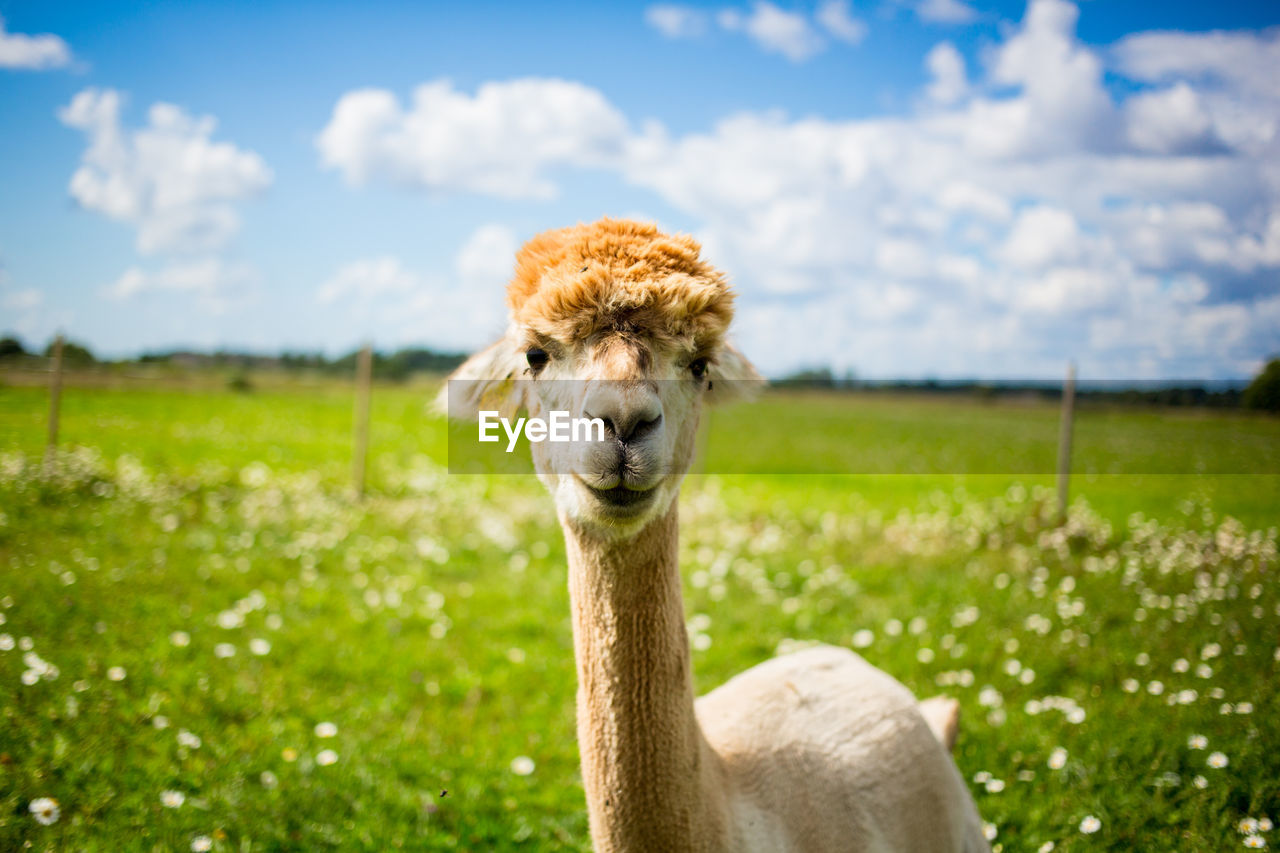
(1263, 393)
(396, 365)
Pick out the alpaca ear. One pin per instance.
(486, 380)
(732, 377)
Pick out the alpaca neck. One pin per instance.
(651, 781)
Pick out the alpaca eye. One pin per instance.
(537, 358)
(698, 367)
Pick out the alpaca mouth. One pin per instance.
(622, 498)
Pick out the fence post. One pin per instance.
(1064, 439)
(55, 404)
(364, 379)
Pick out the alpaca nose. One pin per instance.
(630, 411)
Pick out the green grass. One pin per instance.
(429, 622)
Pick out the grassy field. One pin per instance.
(204, 637)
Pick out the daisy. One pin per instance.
(180, 639)
(1248, 826)
(326, 757)
(1200, 782)
(995, 786)
(1047, 847)
(201, 844)
(522, 765)
(172, 799)
(116, 673)
(1058, 759)
(1090, 825)
(224, 650)
(1197, 742)
(863, 638)
(259, 646)
(1255, 842)
(1218, 760)
(187, 739)
(989, 831)
(45, 810)
(326, 729)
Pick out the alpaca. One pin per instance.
(812, 751)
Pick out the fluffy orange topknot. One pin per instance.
(614, 274)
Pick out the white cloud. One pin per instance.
(945, 12)
(1064, 106)
(1169, 121)
(169, 179)
(1243, 60)
(367, 280)
(962, 197)
(834, 17)
(28, 299)
(217, 284)
(950, 82)
(676, 21)
(776, 30)
(488, 257)
(499, 142)
(461, 308)
(1041, 237)
(32, 53)
(1026, 214)
(1233, 76)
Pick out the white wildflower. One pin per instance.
(45, 810)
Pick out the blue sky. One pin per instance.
(900, 188)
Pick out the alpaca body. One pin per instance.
(822, 752)
(807, 753)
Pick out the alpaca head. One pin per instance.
(620, 322)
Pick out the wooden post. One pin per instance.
(364, 379)
(55, 404)
(1064, 439)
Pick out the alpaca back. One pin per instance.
(822, 751)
